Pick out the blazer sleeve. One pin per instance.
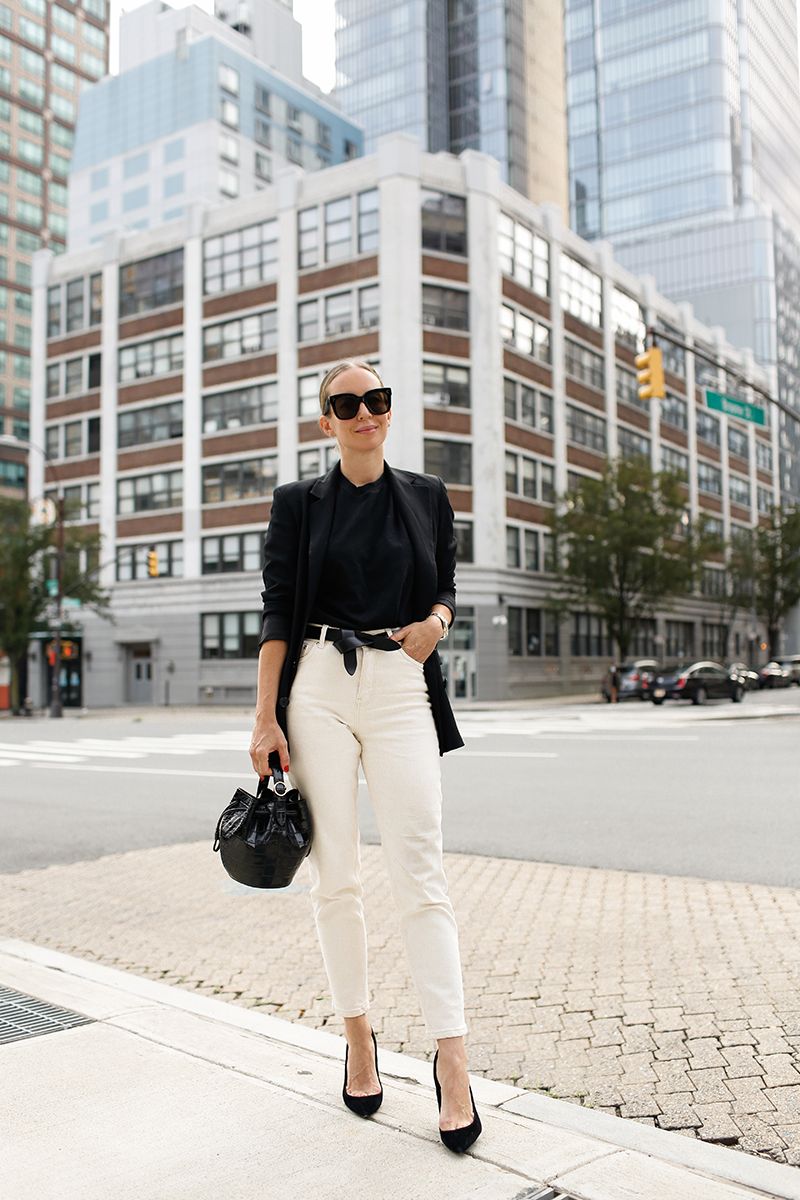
(445, 553)
(281, 548)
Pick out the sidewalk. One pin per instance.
(170, 1095)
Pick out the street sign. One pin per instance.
(70, 602)
(52, 587)
(736, 408)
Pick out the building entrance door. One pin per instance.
(459, 658)
(140, 675)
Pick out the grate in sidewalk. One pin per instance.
(546, 1193)
(24, 1016)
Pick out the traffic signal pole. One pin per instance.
(55, 683)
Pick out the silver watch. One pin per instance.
(445, 626)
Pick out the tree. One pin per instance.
(26, 551)
(736, 593)
(777, 570)
(625, 545)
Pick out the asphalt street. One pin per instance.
(710, 792)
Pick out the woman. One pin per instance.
(359, 588)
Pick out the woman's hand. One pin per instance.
(420, 638)
(267, 737)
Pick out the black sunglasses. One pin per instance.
(346, 404)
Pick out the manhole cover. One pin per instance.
(24, 1016)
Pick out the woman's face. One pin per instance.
(366, 431)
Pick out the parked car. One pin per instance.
(773, 675)
(635, 680)
(750, 679)
(700, 682)
(792, 665)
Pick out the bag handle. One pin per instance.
(278, 777)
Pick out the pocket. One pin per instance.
(306, 648)
(420, 666)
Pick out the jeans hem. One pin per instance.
(351, 1012)
(460, 1031)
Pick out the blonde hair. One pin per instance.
(337, 369)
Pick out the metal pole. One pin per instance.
(55, 686)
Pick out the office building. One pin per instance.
(48, 52)
(509, 343)
(200, 111)
(684, 135)
(460, 75)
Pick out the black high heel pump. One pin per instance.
(457, 1140)
(363, 1106)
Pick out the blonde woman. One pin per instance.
(358, 590)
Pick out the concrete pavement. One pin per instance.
(170, 1095)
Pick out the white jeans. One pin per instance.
(380, 715)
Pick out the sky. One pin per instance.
(315, 16)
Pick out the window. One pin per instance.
(239, 480)
(532, 632)
(368, 222)
(444, 223)
(674, 411)
(156, 424)
(307, 321)
(54, 311)
(245, 406)
(445, 384)
(95, 299)
(242, 258)
(63, 49)
(673, 460)
(588, 636)
(763, 455)
(232, 552)
(445, 307)
(350, 150)
(74, 305)
(739, 490)
(151, 358)
(714, 641)
(738, 442)
(60, 77)
(628, 389)
(143, 493)
(524, 255)
(151, 283)
(173, 151)
(679, 639)
(712, 582)
(674, 357)
(308, 396)
(62, 108)
(30, 152)
(22, 366)
(369, 313)
(765, 499)
(262, 99)
(527, 406)
(73, 439)
(98, 212)
(66, 21)
(338, 314)
(52, 441)
(547, 483)
(133, 561)
(707, 428)
(521, 475)
(248, 335)
(229, 113)
(464, 547)
(58, 134)
(580, 291)
(97, 8)
(451, 461)
(337, 229)
(513, 555)
(709, 479)
(53, 380)
(294, 117)
(13, 474)
(294, 151)
(230, 635)
(263, 167)
(307, 238)
(93, 435)
(311, 463)
(586, 429)
(631, 443)
(74, 375)
(629, 326)
(29, 214)
(228, 182)
(530, 549)
(583, 364)
(229, 79)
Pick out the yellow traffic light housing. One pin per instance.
(650, 375)
(152, 563)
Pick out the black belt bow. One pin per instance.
(347, 641)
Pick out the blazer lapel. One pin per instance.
(321, 503)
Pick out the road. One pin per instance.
(711, 792)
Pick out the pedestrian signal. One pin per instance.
(152, 563)
(650, 375)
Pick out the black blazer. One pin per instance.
(294, 552)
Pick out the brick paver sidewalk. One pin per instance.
(670, 1001)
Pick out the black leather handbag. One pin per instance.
(262, 839)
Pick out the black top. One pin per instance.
(368, 572)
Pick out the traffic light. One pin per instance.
(650, 375)
(152, 563)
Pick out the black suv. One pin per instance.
(700, 682)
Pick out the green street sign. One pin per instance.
(52, 587)
(736, 408)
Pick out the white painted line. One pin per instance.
(507, 754)
(53, 766)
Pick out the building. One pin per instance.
(684, 134)
(48, 52)
(460, 75)
(508, 341)
(200, 110)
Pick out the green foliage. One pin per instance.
(625, 546)
(26, 554)
(776, 555)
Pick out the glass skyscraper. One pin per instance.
(452, 72)
(684, 139)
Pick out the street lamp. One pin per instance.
(7, 439)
